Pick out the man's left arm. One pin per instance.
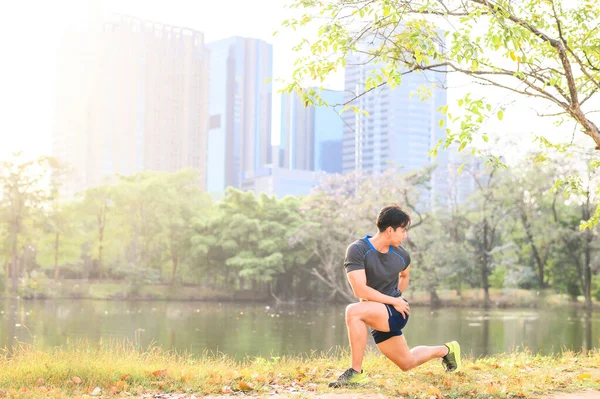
(403, 279)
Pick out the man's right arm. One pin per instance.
(355, 269)
(358, 282)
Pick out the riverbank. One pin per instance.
(116, 290)
(122, 370)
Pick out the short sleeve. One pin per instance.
(407, 259)
(354, 259)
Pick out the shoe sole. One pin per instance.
(338, 385)
(456, 349)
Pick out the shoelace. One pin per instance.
(347, 374)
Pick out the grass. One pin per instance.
(121, 369)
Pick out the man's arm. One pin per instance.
(403, 279)
(358, 281)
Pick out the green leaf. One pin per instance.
(500, 115)
(441, 123)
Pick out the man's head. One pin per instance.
(393, 224)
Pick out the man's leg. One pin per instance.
(358, 317)
(396, 349)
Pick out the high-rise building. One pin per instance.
(239, 135)
(400, 128)
(311, 137)
(131, 96)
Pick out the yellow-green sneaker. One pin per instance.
(452, 360)
(349, 377)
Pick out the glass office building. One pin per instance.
(311, 137)
(239, 108)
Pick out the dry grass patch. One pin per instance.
(114, 369)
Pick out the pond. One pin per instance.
(242, 329)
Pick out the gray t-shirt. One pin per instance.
(382, 270)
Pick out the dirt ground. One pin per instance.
(577, 395)
(590, 394)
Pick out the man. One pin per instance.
(378, 270)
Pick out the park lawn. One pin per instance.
(117, 369)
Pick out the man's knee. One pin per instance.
(352, 311)
(405, 366)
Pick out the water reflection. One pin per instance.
(250, 330)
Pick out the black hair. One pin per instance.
(394, 216)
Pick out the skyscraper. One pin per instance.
(131, 96)
(311, 137)
(239, 135)
(400, 128)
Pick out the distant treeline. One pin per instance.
(515, 230)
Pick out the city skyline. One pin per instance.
(28, 75)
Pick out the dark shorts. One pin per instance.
(397, 323)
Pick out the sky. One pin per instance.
(31, 39)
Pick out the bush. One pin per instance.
(596, 287)
(33, 286)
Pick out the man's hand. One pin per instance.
(402, 307)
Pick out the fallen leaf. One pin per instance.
(244, 386)
(160, 373)
(584, 376)
(113, 390)
(40, 382)
(124, 377)
(76, 380)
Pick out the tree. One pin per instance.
(61, 238)
(344, 208)
(23, 194)
(96, 204)
(484, 235)
(531, 211)
(543, 50)
(60, 241)
(580, 244)
(179, 200)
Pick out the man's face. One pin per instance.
(398, 236)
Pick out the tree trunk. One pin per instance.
(14, 267)
(484, 267)
(101, 223)
(486, 290)
(534, 249)
(587, 268)
(175, 262)
(434, 299)
(56, 272)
